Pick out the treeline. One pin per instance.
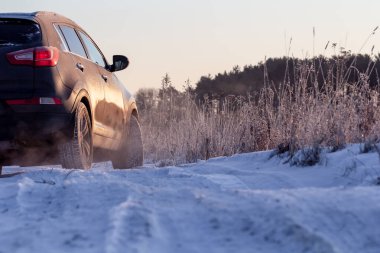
(276, 71)
(247, 82)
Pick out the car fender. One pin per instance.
(132, 110)
(78, 98)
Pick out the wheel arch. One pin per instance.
(86, 102)
(132, 111)
(84, 97)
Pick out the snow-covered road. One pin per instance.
(246, 203)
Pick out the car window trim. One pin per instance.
(61, 37)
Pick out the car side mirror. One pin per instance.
(120, 62)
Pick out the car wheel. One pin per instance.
(130, 154)
(77, 153)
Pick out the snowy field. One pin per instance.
(245, 203)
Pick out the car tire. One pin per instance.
(77, 153)
(130, 153)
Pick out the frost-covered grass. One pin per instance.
(300, 114)
(253, 202)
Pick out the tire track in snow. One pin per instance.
(74, 201)
(130, 228)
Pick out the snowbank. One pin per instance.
(245, 203)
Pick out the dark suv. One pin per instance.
(59, 98)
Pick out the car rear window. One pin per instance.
(16, 32)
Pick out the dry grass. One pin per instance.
(294, 116)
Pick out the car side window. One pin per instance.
(73, 41)
(93, 51)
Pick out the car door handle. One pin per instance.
(105, 78)
(80, 66)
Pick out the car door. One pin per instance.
(113, 117)
(91, 81)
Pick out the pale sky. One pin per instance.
(188, 39)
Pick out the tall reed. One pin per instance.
(318, 107)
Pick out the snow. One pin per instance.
(245, 203)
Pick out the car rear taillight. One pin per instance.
(38, 56)
(35, 101)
